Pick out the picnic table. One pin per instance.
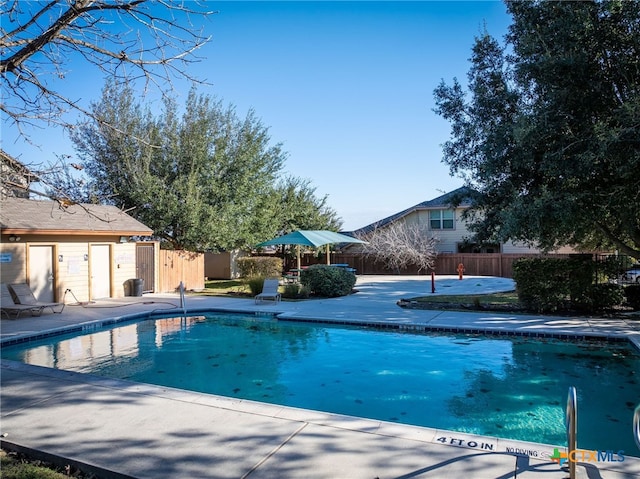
(293, 275)
(344, 266)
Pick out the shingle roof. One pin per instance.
(23, 216)
(444, 201)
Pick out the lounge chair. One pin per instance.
(269, 291)
(9, 306)
(25, 296)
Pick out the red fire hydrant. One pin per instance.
(460, 270)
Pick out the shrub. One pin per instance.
(328, 281)
(260, 266)
(598, 297)
(542, 284)
(606, 295)
(295, 291)
(632, 293)
(19, 466)
(555, 284)
(580, 274)
(255, 284)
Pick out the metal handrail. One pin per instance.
(571, 423)
(183, 304)
(636, 425)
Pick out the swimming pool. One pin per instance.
(510, 387)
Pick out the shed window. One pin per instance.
(441, 219)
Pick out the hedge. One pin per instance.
(260, 266)
(327, 281)
(561, 284)
(542, 284)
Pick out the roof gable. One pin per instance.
(16, 177)
(444, 201)
(24, 216)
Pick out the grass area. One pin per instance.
(224, 284)
(240, 288)
(507, 299)
(18, 466)
(221, 287)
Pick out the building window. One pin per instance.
(441, 219)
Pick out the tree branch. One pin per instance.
(33, 51)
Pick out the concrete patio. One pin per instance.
(126, 429)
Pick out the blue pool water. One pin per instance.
(511, 387)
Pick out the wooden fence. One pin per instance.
(475, 264)
(176, 266)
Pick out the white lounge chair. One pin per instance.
(9, 306)
(25, 296)
(269, 291)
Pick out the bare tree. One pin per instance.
(154, 41)
(400, 245)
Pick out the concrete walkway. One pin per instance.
(144, 431)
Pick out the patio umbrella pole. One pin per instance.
(327, 248)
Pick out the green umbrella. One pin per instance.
(313, 238)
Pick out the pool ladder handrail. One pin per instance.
(571, 423)
(183, 305)
(636, 425)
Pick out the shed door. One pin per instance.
(145, 266)
(41, 277)
(100, 272)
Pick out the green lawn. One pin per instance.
(19, 466)
(221, 287)
(484, 300)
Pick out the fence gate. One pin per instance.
(180, 265)
(145, 268)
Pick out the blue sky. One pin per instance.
(347, 87)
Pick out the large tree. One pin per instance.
(205, 179)
(128, 39)
(549, 133)
(298, 208)
(301, 209)
(202, 180)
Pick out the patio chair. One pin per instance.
(25, 296)
(8, 306)
(269, 291)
